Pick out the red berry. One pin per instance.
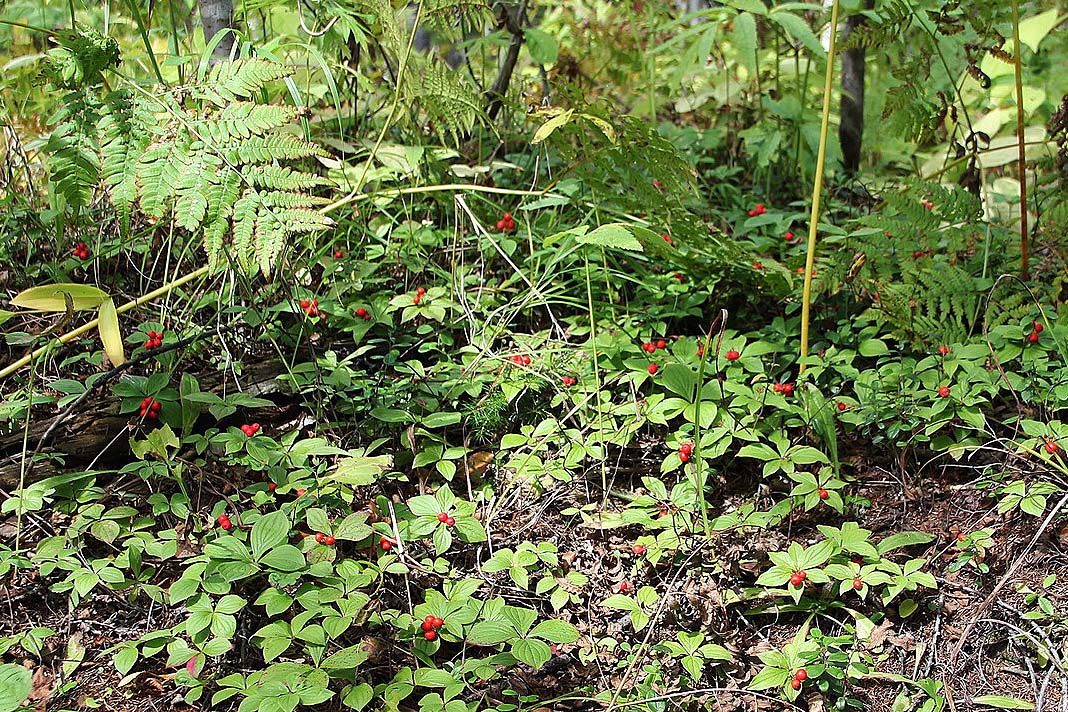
(338, 254)
(438, 622)
(679, 276)
(508, 217)
(1038, 327)
(304, 304)
(701, 350)
(272, 486)
(761, 209)
(917, 254)
(421, 290)
(385, 543)
(1033, 337)
(222, 518)
(442, 516)
(430, 634)
(361, 312)
(667, 237)
(500, 224)
(795, 580)
(623, 586)
(319, 536)
(842, 406)
(568, 381)
(686, 448)
(943, 392)
(801, 674)
(796, 684)
(653, 368)
(426, 625)
(824, 494)
(733, 355)
(787, 389)
(661, 344)
(648, 347)
(961, 537)
(943, 350)
(526, 360)
(329, 540)
(684, 456)
(226, 524)
(1051, 447)
(789, 236)
(638, 549)
(450, 522)
(802, 574)
(417, 298)
(752, 213)
(757, 265)
(300, 492)
(857, 584)
(152, 415)
(155, 406)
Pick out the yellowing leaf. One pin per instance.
(1034, 29)
(110, 334)
(546, 129)
(51, 297)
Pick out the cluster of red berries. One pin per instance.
(787, 389)
(430, 626)
(733, 355)
(150, 408)
(81, 251)
(943, 392)
(652, 346)
(506, 224)
(386, 543)
(250, 429)
(798, 577)
(758, 210)
(321, 538)
(1036, 329)
(520, 360)
(224, 522)
(446, 519)
(568, 381)
(311, 308)
(154, 340)
(800, 676)
(418, 295)
(363, 314)
(927, 204)
(943, 350)
(685, 451)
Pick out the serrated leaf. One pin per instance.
(615, 235)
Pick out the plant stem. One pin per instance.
(817, 187)
(1018, 68)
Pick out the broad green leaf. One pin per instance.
(902, 539)
(490, 633)
(556, 631)
(346, 658)
(50, 297)
(542, 46)
(15, 686)
(284, 558)
(269, 531)
(360, 471)
(533, 652)
(1033, 30)
(799, 30)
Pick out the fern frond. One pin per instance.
(276, 147)
(451, 106)
(284, 199)
(244, 119)
(229, 81)
(282, 178)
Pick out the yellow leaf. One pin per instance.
(52, 297)
(110, 334)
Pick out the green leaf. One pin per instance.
(284, 558)
(902, 539)
(744, 37)
(799, 30)
(542, 46)
(269, 531)
(470, 529)
(871, 348)
(440, 420)
(424, 505)
(533, 652)
(621, 602)
(348, 658)
(615, 235)
(1033, 30)
(51, 297)
(768, 678)
(359, 471)
(679, 378)
(556, 631)
(15, 686)
(490, 633)
(1004, 703)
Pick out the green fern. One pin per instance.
(202, 153)
(451, 106)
